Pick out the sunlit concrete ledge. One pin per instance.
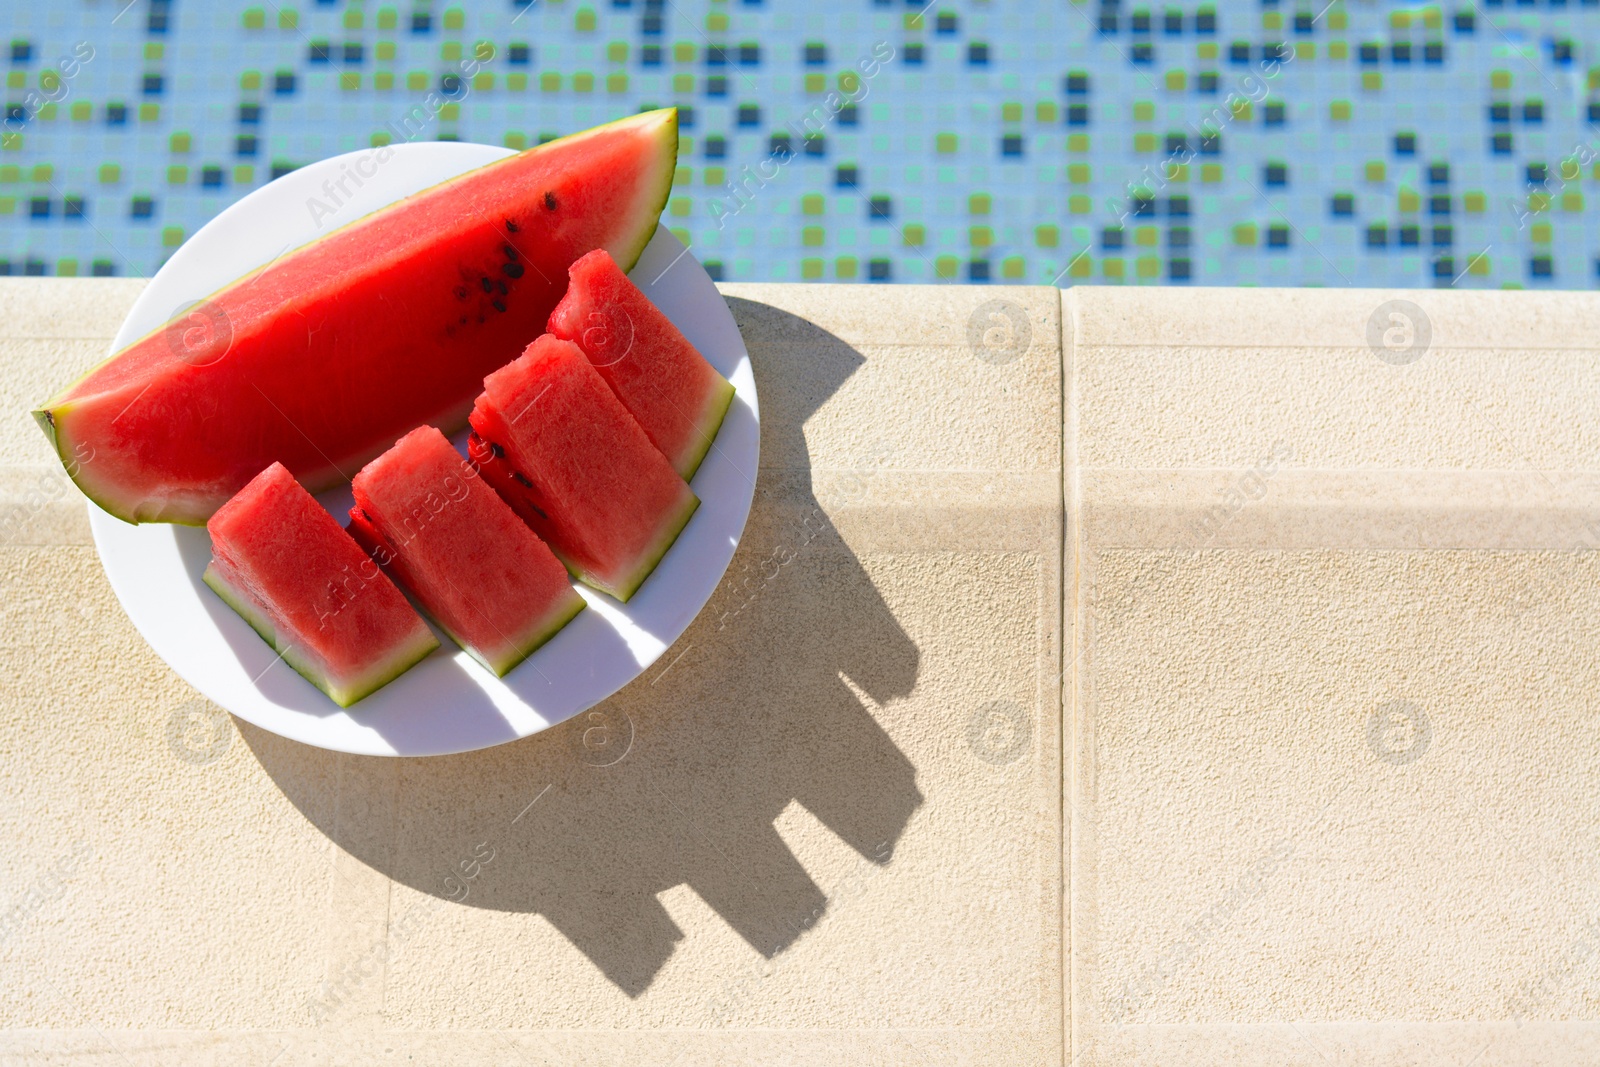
(1107, 676)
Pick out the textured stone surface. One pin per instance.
(1332, 788)
(824, 828)
(1325, 626)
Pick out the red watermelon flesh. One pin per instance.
(330, 353)
(284, 564)
(665, 383)
(485, 577)
(577, 467)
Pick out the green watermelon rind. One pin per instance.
(46, 419)
(48, 415)
(706, 430)
(652, 555)
(669, 135)
(539, 634)
(379, 676)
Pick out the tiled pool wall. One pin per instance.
(1232, 144)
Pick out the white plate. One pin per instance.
(447, 703)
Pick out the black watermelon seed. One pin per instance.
(513, 270)
(499, 453)
(511, 253)
(502, 287)
(540, 510)
(463, 320)
(498, 305)
(549, 201)
(461, 292)
(522, 480)
(511, 226)
(488, 286)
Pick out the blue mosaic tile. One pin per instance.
(1056, 143)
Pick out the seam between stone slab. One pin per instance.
(1070, 519)
(1063, 813)
(360, 900)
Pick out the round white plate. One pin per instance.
(447, 703)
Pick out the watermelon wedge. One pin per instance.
(665, 383)
(559, 447)
(286, 566)
(423, 512)
(321, 359)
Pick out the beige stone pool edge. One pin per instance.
(1334, 714)
(1325, 609)
(816, 849)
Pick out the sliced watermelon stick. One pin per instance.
(284, 563)
(577, 467)
(496, 589)
(662, 379)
